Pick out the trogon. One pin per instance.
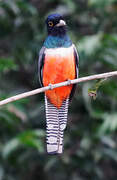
(58, 62)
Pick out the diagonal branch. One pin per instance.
(52, 86)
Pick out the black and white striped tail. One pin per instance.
(56, 120)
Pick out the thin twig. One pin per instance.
(52, 86)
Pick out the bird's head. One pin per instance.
(56, 25)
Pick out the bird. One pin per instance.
(58, 62)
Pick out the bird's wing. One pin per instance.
(41, 64)
(76, 60)
(77, 70)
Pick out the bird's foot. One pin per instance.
(69, 81)
(50, 85)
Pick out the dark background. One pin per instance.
(90, 142)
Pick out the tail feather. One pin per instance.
(63, 112)
(52, 127)
(56, 120)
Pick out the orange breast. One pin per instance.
(59, 66)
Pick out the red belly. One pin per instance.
(58, 68)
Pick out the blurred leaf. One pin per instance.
(10, 147)
(109, 123)
(90, 43)
(101, 3)
(28, 138)
(7, 64)
(12, 6)
(108, 141)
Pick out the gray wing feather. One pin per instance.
(40, 65)
(77, 70)
(76, 60)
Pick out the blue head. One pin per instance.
(57, 36)
(56, 25)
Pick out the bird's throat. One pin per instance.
(57, 41)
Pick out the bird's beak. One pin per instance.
(61, 23)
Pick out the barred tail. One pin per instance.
(56, 120)
(63, 112)
(52, 127)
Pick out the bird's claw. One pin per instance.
(69, 81)
(51, 87)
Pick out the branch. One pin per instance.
(52, 86)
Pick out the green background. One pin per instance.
(90, 142)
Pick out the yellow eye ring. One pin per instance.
(50, 23)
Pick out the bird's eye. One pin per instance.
(50, 23)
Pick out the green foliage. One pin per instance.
(28, 138)
(92, 92)
(90, 150)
